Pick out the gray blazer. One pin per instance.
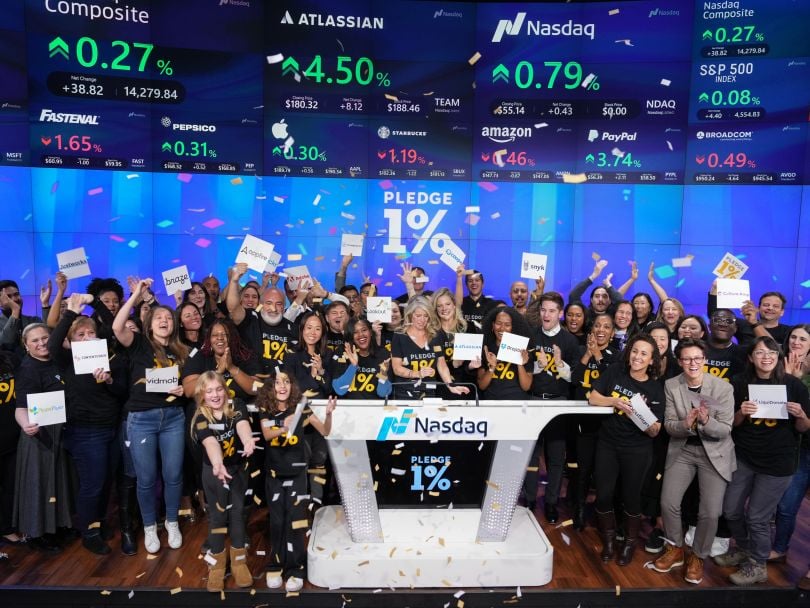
(715, 434)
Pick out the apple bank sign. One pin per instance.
(431, 428)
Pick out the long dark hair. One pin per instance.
(320, 347)
(519, 326)
(348, 334)
(266, 397)
(207, 307)
(175, 346)
(654, 368)
(240, 353)
(778, 373)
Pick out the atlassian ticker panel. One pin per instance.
(388, 107)
(594, 92)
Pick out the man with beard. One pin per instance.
(519, 294)
(12, 321)
(475, 306)
(602, 297)
(268, 333)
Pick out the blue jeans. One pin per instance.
(791, 502)
(157, 430)
(95, 453)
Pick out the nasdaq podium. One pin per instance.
(429, 495)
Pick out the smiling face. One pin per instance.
(690, 328)
(723, 325)
(661, 337)
(602, 331)
(519, 294)
(502, 325)
(670, 313)
(282, 387)
(691, 360)
(214, 395)
(771, 308)
(110, 301)
(336, 318)
(623, 315)
(36, 343)
(190, 318)
(219, 338)
(211, 285)
(600, 300)
(312, 331)
(162, 324)
(641, 357)
(642, 307)
(197, 296)
(419, 319)
(249, 298)
(475, 284)
(799, 341)
(362, 337)
(549, 315)
(764, 360)
(575, 319)
(445, 308)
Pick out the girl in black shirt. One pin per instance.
(362, 371)
(500, 379)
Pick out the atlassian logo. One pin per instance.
(358, 22)
(459, 426)
(538, 28)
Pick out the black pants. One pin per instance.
(586, 460)
(8, 467)
(632, 463)
(553, 440)
(226, 507)
(285, 511)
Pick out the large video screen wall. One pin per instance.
(159, 133)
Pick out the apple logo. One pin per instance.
(279, 129)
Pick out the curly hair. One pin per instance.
(266, 398)
(653, 369)
(98, 286)
(240, 353)
(519, 325)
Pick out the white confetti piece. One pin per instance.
(540, 125)
(347, 216)
(495, 215)
(666, 82)
(613, 11)
(669, 145)
(475, 209)
(398, 471)
(317, 200)
(279, 199)
(277, 58)
(131, 594)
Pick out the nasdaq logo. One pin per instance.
(505, 26)
(392, 424)
(537, 27)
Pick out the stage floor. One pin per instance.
(177, 578)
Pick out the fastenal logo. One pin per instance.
(83, 119)
(357, 22)
(537, 27)
(505, 135)
(392, 424)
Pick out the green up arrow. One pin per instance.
(57, 46)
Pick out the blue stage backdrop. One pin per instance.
(159, 133)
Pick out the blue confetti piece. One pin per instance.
(133, 244)
(773, 276)
(679, 283)
(806, 283)
(547, 239)
(806, 304)
(165, 224)
(740, 256)
(302, 249)
(665, 272)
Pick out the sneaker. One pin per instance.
(719, 546)
(694, 569)
(733, 557)
(750, 573)
(274, 580)
(672, 558)
(294, 584)
(655, 542)
(175, 537)
(150, 539)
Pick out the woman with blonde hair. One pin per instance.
(670, 313)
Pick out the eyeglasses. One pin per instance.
(692, 359)
(723, 321)
(765, 353)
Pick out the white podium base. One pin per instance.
(428, 548)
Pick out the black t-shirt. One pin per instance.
(224, 431)
(363, 383)
(547, 379)
(414, 357)
(142, 357)
(9, 429)
(298, 364)
(334, 341)
(617, 428)
(583, 377)
(289, 455)
(270, 342)
(724, 363)
(505, 383)
(199, 363)
(769, 446)
(474, 311)
(35, 376)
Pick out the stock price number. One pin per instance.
(297, 103)
(403, 107)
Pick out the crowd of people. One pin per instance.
(704, 479)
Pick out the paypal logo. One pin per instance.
(392, 424)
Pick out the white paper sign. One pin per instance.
(732, 293)
(273, 260)
(176, 279)
(452, 255)
(467, 347)
(298, 274)
(730, 267)
(162, 379)
(511, 345)
(423, 278)
(73, 263)
(642, 416)
(89, 355)
(351, 244)
(47, 408)
(533, 265)
(378, 309)
(771, 400)
(255, 253)
(296, 416)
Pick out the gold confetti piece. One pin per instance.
(105, 592)
(170, 398)
(418, 572)
(567, 522)
(319, 479)
(179, 571)
(532, 469)
(222, 593)
(236, 181)
(595, 256)
(658, 477)
(363, 563)
(219, 530)
(449, 559)
(52, 499)
(446, 583)
(257, 500)
(474, 59)
(433, 493)
(401, 573)
(176, 590)
(95, 524)
(396, 452)
(151, 556)
(391, 97)
(255, 473)
(201, 426)
(334, 554)
(292, 594)
(493, 485)
(140, 575)
(376, 485)
(300, 523)
(496, 506)
(319, 258)
(618, 590)
(572, 465)
(574, 178)
(184, 512)
(346, 453)
(441, 541)
(252, 592)
(219, 508)
(460, 604)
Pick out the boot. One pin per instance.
(579, 516)
(127, 515)
(239, 568)
(606, 522)
(216, 572)
(628, 547)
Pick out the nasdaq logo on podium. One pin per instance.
(392, 424)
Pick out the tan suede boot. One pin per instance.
(239, 568)
(216, 572)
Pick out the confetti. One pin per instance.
(179, 572)
(574, 178)
(165, 224)
(213, 223)
(131, 594)
(665, 272)
(52, 499)
(669, 145)
(277, 58)
(236, 181)
(347, 216)
(613, 11)
(294, 257)
(95, 191)
(141, 574)
(176, 590)
(151, 556)
(210, 559)
(219, 530)
(474, 59)
(279, 199)
(618, 590)
(184, 177)
(364, 563)
(316, 200)
(625, 41)
(495, 215)
(202, 242)
(391, 98)
(665, 82)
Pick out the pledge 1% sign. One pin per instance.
(420, 221)
(429, 473)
